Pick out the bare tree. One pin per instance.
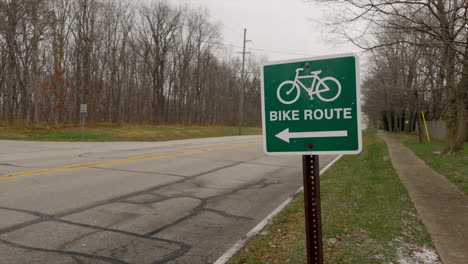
(435, 25)
(135, 63)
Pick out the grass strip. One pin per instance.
(126, 133)
(367, 217)
(453, 166)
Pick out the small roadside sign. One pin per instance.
(83, 114)
(83, 108)
(312, 106)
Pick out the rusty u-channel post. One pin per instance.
(313, 217)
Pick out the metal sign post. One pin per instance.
(313, 216)
(83, 113)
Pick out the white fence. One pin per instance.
(436, 129)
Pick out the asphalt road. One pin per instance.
(184, 201)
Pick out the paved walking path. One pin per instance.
(441, 205)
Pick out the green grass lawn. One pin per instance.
(367, 217)
(126, 133)
(453, 166)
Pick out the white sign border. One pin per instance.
(358, 106)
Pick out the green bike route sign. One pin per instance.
(312, 106)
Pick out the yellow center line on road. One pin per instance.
(74, 167)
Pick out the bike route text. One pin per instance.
(308, 114)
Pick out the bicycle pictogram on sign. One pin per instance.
(327, 89)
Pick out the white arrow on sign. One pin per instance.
(285, 135)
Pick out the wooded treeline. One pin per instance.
(418, 50)
(136, 63)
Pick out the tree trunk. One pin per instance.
(462, 104)
(389, 121)
(451, 118)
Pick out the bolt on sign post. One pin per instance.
(83, 113)
(312, 107)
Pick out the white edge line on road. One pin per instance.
(243, 241)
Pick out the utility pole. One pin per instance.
(241, 105)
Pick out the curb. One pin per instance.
(243, 241)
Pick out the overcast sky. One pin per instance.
(279, 29)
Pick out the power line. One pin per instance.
(282, 52)
(267, 50)
(224, 25)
